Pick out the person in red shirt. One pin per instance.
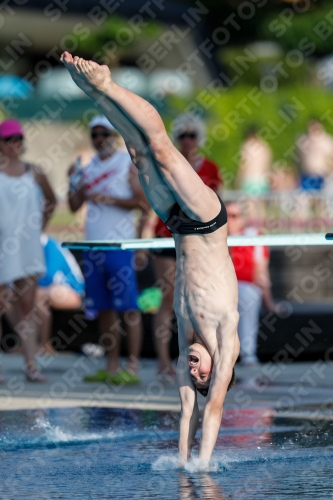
(254, 285)
(189, 133)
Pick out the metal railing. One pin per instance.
(292, 211)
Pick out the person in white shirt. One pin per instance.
(110, 186)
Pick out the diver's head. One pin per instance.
(201, 366)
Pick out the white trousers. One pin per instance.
(249, 305)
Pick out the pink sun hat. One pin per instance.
(10, 127)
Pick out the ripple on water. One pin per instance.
(132, 455)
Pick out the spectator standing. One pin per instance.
(254, 286)
(253, 177)
(26, 203)
(315, 156)
(189, 133)
(110, 186)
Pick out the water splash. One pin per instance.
(226, 460)
(167, 462)
(54, 434)
(173, 462)
(218, 462)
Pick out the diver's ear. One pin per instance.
(204, 392)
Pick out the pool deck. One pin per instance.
(285, 387)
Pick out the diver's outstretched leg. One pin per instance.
(197, 200)
(156, 190)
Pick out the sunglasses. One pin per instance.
(189, 135)
(13, 138)
(105, 134)
(234, 216)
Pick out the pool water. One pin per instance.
(99, 453)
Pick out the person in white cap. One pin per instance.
(110, 186)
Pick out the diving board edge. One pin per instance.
(271, 240)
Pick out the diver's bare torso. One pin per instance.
(206, 287)
(206, 290)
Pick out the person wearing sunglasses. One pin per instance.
(205, 298)
(26, 204)
(189, 133)
(110, 186)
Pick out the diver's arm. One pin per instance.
(189, 416)
(213, 411)
(221, 376)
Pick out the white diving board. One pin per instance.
(271, 240)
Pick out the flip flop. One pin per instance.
(123, 377)
(99, 376)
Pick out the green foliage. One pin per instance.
(290, 29)
(281, 117)
(255, 67)
(115, 38)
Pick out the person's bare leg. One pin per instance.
(109, 324)
(45, 327)
(11, 317)
(133, 327)
(165, 270)
(63, 297)
(44, 319)
(25, 290)
(197, 200)
(57, 297)
(5, 297)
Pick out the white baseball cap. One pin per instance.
(189, 122)
(100, 121)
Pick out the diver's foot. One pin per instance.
(88, 75)
(80, 81)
